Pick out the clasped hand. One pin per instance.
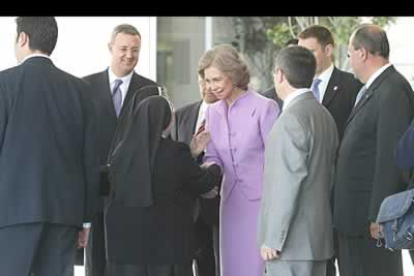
(268, 253)
(211, 194)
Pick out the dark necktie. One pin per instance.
(117, 96)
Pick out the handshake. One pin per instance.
(215, 191)
(211, 194)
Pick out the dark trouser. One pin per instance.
(207, 251)
(295, 268)
(412, 256)
(43, 249)
(359, 256)
(330, 264)
(149, 270)
(95, 251)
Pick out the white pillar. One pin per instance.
(209, 32)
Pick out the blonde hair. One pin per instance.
(225, 58)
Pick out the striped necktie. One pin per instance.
(117, 96)
(315, 88)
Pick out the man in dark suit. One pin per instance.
(48, 157)
(366, 172)
(336, 89)
(112, 90)
(271, 92)
(188, 120)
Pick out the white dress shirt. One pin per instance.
(201, 115)
(34, 55)
(376, 75)
(292, 96)
(324, 77)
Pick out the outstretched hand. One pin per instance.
(199, 143)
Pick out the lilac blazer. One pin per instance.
(237, 141)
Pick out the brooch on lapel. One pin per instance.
(335, 88)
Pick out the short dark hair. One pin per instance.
(298, 64)
(42, 32)
(322, 34)
(124, 29)
(373, 39)
(291, 42)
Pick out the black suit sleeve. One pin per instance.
(394, 116)
(3, 116)
(91, 158)
(197, 180)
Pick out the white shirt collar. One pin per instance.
(324, 77)
(292, 96)
(126, 80)
(34, 55)
(376, 75)
(201, 114)
(203, 108)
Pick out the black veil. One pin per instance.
(134, 149)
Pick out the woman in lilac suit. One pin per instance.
(238, 126)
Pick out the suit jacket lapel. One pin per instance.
(190, 122)
(132, 89)
(332, 88)
(368, 94)
(106, 93)
(360, 104)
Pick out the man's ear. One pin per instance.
(22, 39)
(363, 54)
(110, 47)
(328, 50)
(280, 76)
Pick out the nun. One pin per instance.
(154, 183)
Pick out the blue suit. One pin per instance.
(404, 156)
(404, 153)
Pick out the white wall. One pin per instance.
(401, 46)
(82, 43)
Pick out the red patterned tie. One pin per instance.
(202, 127)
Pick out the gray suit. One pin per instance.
(295, 213)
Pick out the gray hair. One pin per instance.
(124, 29)
(226, 59)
